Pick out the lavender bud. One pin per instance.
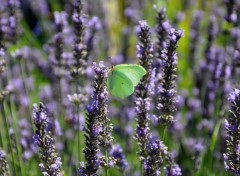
(117, 153)
(3, 164)
(144, 54)
(97, 127)
(167, 100)
(51, 163)
(232, 155)
(156, 151)
(2, 60)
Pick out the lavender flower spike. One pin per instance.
(117, 153)
(144, 89)
(51, 163)
(95, 110)
(2, 60)
(156, 151)
(167, 99)
(232, 125)
(79, 51)
(3, 164)
(162, 30)
(172, 169)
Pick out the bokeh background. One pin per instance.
(38, 37)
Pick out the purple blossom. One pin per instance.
(3, 163)
(232, 154)
(167, 100)
(144, 54)
(175, 170)
(117, 153)
(98, 128)
(51, 162)
(155, 157)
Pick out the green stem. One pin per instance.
(106, 159)
(8, 136)
(23, 75)
(79, 137)
(164, 132)
(141, 168)
(78, 128)
(12, 110)
(61, 116)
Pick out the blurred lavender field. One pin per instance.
(57, 116)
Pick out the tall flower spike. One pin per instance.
(230, 16)
(167, 99)
(194, 37)
(14, 18)
(172, 169)
(79, 51)
(232, 125)
(3, 163)
(117, 153)
(2, 60)
(105, 133)
(60, 19)
(156, 151)
(144, 54)
(51, 163)
(95, 111)
(162, 31)
(3, 93)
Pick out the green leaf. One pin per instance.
(123, 78)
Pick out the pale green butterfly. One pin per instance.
(123, 78)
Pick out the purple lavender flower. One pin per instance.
(4, 92)
(215, 69)
(117, 153)
(57, 57)
(194, 37)
(2, 60)
(156, 151)
(144, 54)
(231, 15)
(232, 155)
(3, 163)
(79, 51)
(172, 169)
(51, 163)
(96, 113)
(167, 99)
(93, 26)
(162, 30)
(28, 148)
(13, 7)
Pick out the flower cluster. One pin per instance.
(167, 99)
(3, 164)
(162, 30)
(172, 169)
(231, 7)
(194, 37)
(156, 151)
(98, 127)
(60, 19)
(232, 124)
(117, 153)
(79, 51)
(2, 60)
(51, 163)
(143, 89)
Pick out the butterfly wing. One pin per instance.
(119, 85)
(132, 71)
